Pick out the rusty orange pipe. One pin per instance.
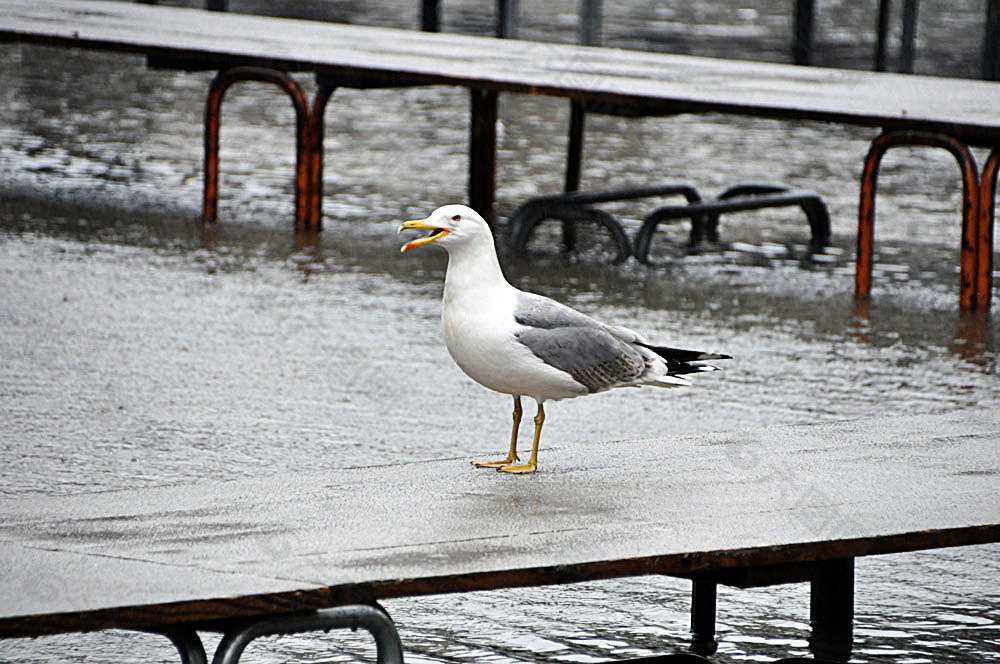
(303, 143)
(970, 209)
(314, 219)
(984, 244)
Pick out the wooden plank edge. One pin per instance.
(210, 614)
(985, 134)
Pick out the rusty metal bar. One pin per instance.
(483, 152)
(984, 239)
(314, 217)
(213, 108)
(970, 208)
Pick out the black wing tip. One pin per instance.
(682, 355)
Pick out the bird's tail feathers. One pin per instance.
(680, 361)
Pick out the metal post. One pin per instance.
(590, 22)
(984, 243)
(590, 35)
(884, 8)
(507, 13)
(991, 42)
(802, 42)
(483, 152)
(574, 153)
(831, 610)
(314, 215)
(574, 159)
(703, 595)
(430, 16)
(907, 47)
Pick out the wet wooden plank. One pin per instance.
(644, 82)
(677, 506)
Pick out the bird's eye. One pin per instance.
(457, 217)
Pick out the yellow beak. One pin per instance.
(434, 234)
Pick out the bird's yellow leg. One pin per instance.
(525, 468)
(512, 455)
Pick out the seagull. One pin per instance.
(528, 345)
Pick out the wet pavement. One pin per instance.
(142, 349)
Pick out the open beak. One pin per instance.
(434, 234)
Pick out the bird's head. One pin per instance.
(450, 226)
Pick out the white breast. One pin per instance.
(479, 333)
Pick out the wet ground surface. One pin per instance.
(140, 348)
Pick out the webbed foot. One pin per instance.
(518, 469)
(496, 464)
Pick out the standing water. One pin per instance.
(141, 349)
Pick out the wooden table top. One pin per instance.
(650, 82)
(676, 506)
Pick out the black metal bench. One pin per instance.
(576, 206)
(704, 216)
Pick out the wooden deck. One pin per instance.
(650, 82)
(692, 506)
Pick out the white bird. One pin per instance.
(523, 344)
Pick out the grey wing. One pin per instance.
(538, 311)
(541, 312)
(577, 344)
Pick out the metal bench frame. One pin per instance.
(237, 635)
(578, 206)
(704, 215)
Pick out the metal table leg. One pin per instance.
(483, 152)
(831, 610)
(703, 594)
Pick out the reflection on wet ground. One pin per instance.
(141, 348)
